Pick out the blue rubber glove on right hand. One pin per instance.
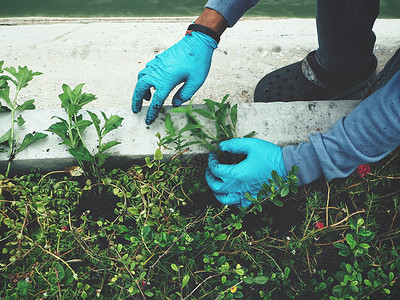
(187, 61)
(230, 182)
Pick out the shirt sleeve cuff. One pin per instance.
(232, 11)
(306, 159)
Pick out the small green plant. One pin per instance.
(357, 242)
(71, 130)
(221, 114)
(9, 141)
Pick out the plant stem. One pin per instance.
(11, 140)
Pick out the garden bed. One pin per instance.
(155, 231)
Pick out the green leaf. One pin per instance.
(60, 271)
(23, 75)
(5, 95)
(20, 121)
(345, 252)
(30, 139)
(82, 125)
(112, 123)
(249, 197)
(158, 155)
(108, 145)
(27, 105)
(81, 154)
(149, 294)
(240, 272)
(96, 121)
(260, 280)
(285, 191)
(277, 202)
(233, 115)
(287, 272)
(368, 283)
(251, 134)
(276, 177)
(210, 105)
(174, 267)
(363, 245)
(59, 128)
(225, 98)
(205, 113)
(321, 286)
(6, 137)
(238, 294)
(221, 237)
(247, 280)
(169, 125)
(23, 287)
(351, 241)
(180, 109)
(69, 277)
(348, 268)
(185, 280)
(341, 246)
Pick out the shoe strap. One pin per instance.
(309, 73)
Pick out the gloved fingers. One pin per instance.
(219, 170)
(186, 92)
(235, 145)
(215, 183)
(156, 104)
(142, 91)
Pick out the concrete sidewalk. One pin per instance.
(107, 55)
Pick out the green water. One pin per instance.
(161, 8)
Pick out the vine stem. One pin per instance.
(327, 204)
(55, 256)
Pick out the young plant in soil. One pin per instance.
(9, 140)
(71, 130)
(221, 114)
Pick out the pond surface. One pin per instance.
(161, 8)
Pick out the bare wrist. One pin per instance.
(213, 20)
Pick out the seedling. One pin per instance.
(9, 141)
(221, 114)
(71, 130)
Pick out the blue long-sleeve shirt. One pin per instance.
(367, 135)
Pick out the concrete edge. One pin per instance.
(280, 123)
(56, 20)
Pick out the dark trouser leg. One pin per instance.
(345, 35)
(341, 68)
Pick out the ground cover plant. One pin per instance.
(159, 233)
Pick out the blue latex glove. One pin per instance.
(187, 61)
(230, 182)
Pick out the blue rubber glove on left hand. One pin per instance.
(187, 61)
(230, 182)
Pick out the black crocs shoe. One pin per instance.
(306, 80)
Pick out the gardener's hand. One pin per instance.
(230, 182)
(187, 61)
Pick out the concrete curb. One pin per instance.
(271, 121)
(108, 53)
